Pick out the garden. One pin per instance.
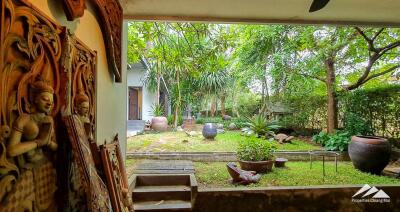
(256, 91)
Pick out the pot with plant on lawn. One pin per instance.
(255, 154)
(158, 122)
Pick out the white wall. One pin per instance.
(136, 78)
(111, 96)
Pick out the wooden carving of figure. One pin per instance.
(82, 107)
(32, 138)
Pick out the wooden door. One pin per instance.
(133, 104)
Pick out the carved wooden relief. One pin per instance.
(30, 52)
(111, 17)
(78, 83)
(47, 81)
(117, 181)
(97, 194)
(74, 8)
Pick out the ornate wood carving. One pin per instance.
(30, 51)
(117, 181)
(97, 194)
(45, 74)
(74, 8)
(111, 17)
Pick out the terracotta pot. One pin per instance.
(369, 154)
(159, 123)
(257, 166)
(209, 130)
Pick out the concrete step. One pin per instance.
(158, 193)
(169, 205)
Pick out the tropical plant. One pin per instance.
(157, 110)
(259, 126)
(321, 138)
(255, 149)
(338, 141)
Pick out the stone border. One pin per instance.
(224, 156)
(294, 198)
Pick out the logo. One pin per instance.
(370, 194)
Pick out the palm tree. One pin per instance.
(213, 83)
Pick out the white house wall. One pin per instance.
(136, 78)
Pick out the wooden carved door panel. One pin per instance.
(133, 104)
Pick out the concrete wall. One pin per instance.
(111, 96)
(322, 198)
(136, 78)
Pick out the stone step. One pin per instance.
(158, 193)
(168, 205)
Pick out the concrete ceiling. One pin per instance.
(348, 12)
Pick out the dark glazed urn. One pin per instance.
(369, 154)
(209, 130)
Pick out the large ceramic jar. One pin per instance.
(369, 154)
(159, 123)
(209, 130)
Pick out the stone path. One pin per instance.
(134, 127)
(164, 167)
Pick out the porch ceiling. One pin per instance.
(360, 12)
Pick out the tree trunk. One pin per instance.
(234, 104)
(332, 121)
(158, 89)
(213, 108)
(177, 107)
(222, 105)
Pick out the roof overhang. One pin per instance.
(338, 12)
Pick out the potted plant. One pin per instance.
(159, 122)
(255, 154)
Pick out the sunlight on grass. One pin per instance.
(180, 142)
(215, 175)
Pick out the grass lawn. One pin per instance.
(215, 174)
(180, 142)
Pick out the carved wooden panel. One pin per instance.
(111, 18)
(78, 82)
(30, 52)
(97, 194)
(117, 181)
(74, 8)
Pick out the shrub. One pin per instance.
(355, 125)
(170, 119)
(157, 110)
(321, 138)
(259, 126)
(338, 141)
(255, 149)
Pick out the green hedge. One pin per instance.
(379, 107)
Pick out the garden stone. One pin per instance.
(191, 133)
(179, 129)
(232, 126)
(220, 126)
(220, 131)
(226, 118)
(283, 138)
